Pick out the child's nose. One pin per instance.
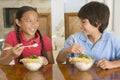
(35, 24)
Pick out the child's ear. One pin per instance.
(98, 24)
(17, 22)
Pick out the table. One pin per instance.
(57, 72)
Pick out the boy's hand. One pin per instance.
(77, 49)
(104, 64)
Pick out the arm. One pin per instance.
(62, 56)
(75, 48)
(105, 64)
(71, 45)
(115, 55)
(50, 57)
(115, 64)
(8, 55)
(64, 52)
(48, 48)
(6, 58)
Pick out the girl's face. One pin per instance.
(29, 23)
(87, 28)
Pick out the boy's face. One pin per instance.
(87, 28)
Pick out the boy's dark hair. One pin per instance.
(97, 13)
(19, 15)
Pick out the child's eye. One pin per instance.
(83, 21)
(28, 21)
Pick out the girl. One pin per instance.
(26, 33)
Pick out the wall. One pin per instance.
(58, 31)
(117, 18)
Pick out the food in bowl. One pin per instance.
(83, 62)
(33, 63)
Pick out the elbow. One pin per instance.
(59, 61)
(60, 58)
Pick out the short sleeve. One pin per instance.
(69, 41)
(47, 43)
(11, 38)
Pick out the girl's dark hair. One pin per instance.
(97, 13)
(19, 15)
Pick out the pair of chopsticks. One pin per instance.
(34, 45)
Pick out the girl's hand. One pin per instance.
(17, 50)
(104, 64)
(75, 48)
(45, 61)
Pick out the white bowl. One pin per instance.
(34, 66)
(83, 63)
(83, 66)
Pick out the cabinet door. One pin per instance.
(72, 24)
(45, 24)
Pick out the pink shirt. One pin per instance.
(12, 40)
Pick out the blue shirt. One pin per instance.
(108, 47)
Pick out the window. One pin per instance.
(9, 15)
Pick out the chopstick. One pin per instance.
(7, 48)
(33, 45)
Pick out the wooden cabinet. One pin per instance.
(72, 24)
(45, 24)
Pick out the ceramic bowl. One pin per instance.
(83, 66)
(83, 62)
(33, 65)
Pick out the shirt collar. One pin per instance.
(85, 38)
